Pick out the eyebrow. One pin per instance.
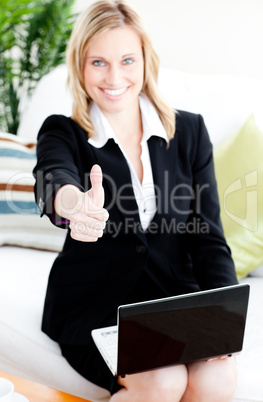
(103, 58)
(130, 54)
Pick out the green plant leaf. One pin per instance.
(33, 39)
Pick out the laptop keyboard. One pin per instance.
(109, 343)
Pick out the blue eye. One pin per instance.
(128, 61)
(98, 63)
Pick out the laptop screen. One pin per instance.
(182, 329)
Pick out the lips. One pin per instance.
(114, 92)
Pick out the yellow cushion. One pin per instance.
(239, 173)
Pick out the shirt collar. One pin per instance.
(151, 122)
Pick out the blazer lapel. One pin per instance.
(163, 161)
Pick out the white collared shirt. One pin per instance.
(144, 192)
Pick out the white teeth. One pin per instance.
(114, 92)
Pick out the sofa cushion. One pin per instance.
(20, 222)
(239, 172)
(49, 97)
(24, 349)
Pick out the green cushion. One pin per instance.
(239, 173)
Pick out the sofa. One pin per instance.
(232, 110)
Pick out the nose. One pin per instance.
(113, 75)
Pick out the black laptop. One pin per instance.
(175, 330)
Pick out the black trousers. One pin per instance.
(87, 360)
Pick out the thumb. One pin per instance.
(96, 192)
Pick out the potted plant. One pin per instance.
(33, 39)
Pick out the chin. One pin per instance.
(114, 106)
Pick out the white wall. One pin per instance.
(204, 36)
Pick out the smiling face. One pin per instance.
(114, 70)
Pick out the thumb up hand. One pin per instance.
(89, 220)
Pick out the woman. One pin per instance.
(136, 188)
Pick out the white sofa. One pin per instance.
(30, 244)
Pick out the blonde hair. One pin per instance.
(98, 18)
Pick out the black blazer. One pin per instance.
(183, 250)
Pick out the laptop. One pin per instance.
(175, 330)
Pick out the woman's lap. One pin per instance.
(87, 360)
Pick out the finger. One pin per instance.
(90, 213)
(90, 235)
(91, 227)
(218, 358)
(97, 192)
(83, 238)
